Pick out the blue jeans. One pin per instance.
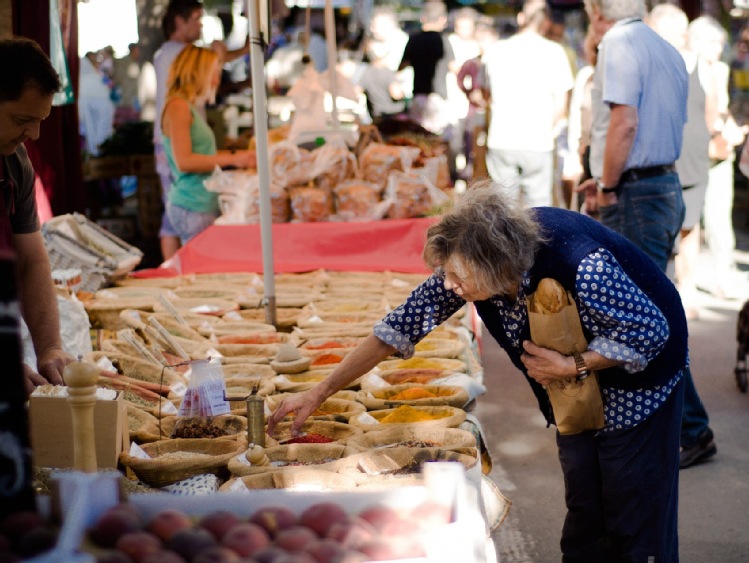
(188, 223)
(649, 213)
(622, 490)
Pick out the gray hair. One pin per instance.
(491, 232)
(702, 30)
(615, 10)
(671, 23)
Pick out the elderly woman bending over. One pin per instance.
(621, 481)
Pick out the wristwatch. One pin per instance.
(603, 188)
(581, 366)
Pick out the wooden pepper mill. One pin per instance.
(81, 377)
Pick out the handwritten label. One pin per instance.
(137, 451)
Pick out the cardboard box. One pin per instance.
(51, 424)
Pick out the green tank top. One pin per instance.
(188, 190)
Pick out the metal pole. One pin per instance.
(332, 60)
(260, 125)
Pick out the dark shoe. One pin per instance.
(704, 448)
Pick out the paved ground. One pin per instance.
(714, 497)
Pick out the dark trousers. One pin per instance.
(621, 490)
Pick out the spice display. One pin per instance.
(413, 376)
(182, 456)
(419, 363)
(406, 413)
(412, 394)
(197, 428)
(327, 359)
(310, 438)
(327, 346)
(301, 463)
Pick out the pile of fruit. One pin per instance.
(322, 533)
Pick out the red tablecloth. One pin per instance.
(374, 246)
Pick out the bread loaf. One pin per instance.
(550, 297)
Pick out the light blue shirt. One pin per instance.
(637, 68)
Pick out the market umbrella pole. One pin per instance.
(330, 43)
(260, 125)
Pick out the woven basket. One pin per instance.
(164, 283)
(345, 306)
(236, 328)
(335, 330)
(298, 382)
(313, 320)
(337, 410)
(248, 371)
(158, 472)
(137, 420)
(213, 307)
(325, 344)
(383, 398)
(439, 348)
(294, 478)
(453, 439)
(285, 316)
(424, 363)
(191, 292)
(263, 350)
(364, 467)
(232, 425)
(73, 241)
(263, 337)
(336, 431)
(282, 457)
(451, 417)
(413, 376)
(138, 368)
(106, 313)
(138, 320)
(286, 299)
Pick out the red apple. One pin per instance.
(167, 522)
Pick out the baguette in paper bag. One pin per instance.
(555, 324)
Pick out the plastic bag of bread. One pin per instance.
(310, 204)
(377, 161)
(285, 157)
(334, 163)
(411, 195)
(555, 324)
(357, 199)
(279, 203)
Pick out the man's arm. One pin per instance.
(39, 305)
(619, 140)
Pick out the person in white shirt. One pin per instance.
(528, 77)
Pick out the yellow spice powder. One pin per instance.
(419, 363)
(406, 413)
(412, 394)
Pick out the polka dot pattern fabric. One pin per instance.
(626, 326)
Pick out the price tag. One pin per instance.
(238, 486)
(167, 407)
(137, 451)
(179, 389)
(106, 364)
(244, 461)
(367, 418)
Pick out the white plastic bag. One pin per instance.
(206, 391)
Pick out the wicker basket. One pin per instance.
(231, 425)
(294, 455)
(450, 417)
(337, 410)
(336, 431)
(443, 395)
(453, 439)
(294, 478)
(73, 241)
(424, 363)
(212, 456)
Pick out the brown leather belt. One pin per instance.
(636, 174)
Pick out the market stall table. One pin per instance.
(370, 246)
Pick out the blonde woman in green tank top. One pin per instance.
(189, 143)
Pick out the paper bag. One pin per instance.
(577, 405)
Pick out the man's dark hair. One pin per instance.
(24, 64)
(175, 9)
